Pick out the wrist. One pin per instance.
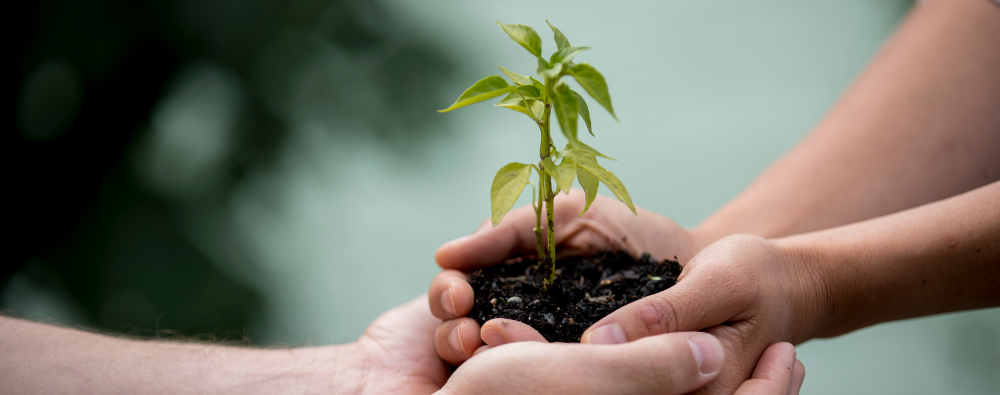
(804, 260)
(702, 236)
(326, 369)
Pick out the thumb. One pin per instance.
(513, 236)
(691, 305)
(490, 245)
(675, 363)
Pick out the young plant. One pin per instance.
(536, 99)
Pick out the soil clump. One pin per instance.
(587, 288)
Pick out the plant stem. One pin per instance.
(545, 151)
(538, 215)
(549, 200)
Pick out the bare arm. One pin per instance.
(934, 259)
(38, 358)
(395, 355)
(920, 124)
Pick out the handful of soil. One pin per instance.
(587, 288)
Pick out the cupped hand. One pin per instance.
(668, 364)
(745, 290)
(607, 225)
(396, 355)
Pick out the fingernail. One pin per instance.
(707, 351)
(492, 337)
(608, 334)
(455, 340)
(448, 302)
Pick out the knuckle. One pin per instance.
(658, 315)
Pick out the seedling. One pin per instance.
(536, 99)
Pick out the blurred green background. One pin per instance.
(274, 171)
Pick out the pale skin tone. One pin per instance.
(888, 209)
(394, 356)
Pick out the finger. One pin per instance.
(691, 305)
(798, 377)
(450, 295)
(774, 372)
(674, 363)
(500, 331)
(456, 340)
(481, 350)
(513, 236)
(490, 245)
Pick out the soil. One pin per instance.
(587, 288)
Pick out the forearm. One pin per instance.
(933, 259)
(38, 358)
(919, 125)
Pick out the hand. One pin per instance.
(608, 224)
(745, 290)
(674, 363)
(395, 355)
(669, 364)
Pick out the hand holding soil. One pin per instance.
(608, 225)
(751, 292)
(743, 289)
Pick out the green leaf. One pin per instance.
(561, 40)
(537, 84)
(565, 106)
(593, 82)
(486, 88)
(578, 147)
(524, 35)
(564, 172)
(583, 110)
(542, 65)
(517, 78)
(589, 184)
(534, 109)
(529, 92)
(609, 180)
(566, 54)
(507, 186)
(553, 72)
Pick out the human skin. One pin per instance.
(608, 224)
(394, 356)
(751, 292)
(917, 126)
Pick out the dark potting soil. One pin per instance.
(587, 288)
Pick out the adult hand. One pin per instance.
(674, 363)
(395, 355)
(608, 224)
(743, 289)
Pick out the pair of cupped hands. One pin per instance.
(723, 329)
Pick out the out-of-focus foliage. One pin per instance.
(132, 114)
